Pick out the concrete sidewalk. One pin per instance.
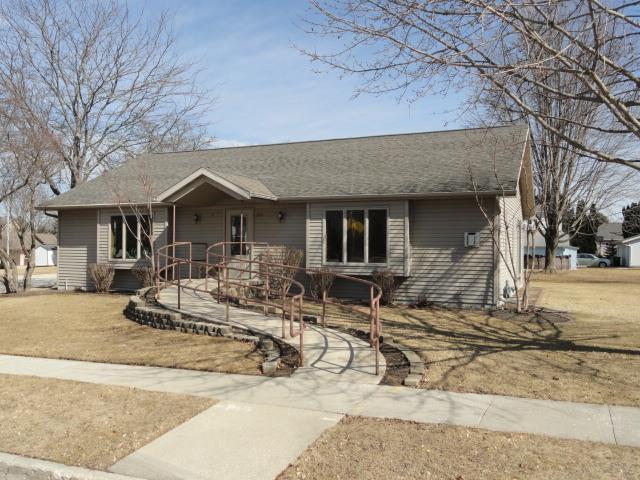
(262, 424)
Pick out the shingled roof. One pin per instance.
(388, 165)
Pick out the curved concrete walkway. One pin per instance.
(329, 355)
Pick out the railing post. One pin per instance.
(284, 300)
(324, 308)
(266, 290)
(179, 285)
(371, 317)
(157, 272)
(301, 333)
(190, 258)
(206, 274)
(218, 275)
(226, 291)
(292, 318)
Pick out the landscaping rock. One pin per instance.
(246, 338)
(412, 380)
(266, 344)
(224, 330)
(269, 367)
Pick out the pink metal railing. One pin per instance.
(269, 273)
(167, 274)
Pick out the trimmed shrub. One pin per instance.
(321, 281)
(102, 276)
(386, 280)
(145, 275)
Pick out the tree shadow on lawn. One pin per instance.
(518, 353)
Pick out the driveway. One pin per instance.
(40, 280)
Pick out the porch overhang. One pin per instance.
(238, 187)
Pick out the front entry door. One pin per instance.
(239, 231)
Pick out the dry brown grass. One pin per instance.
(83, 424)
(594, 357)
(365, 448)
(92, 327)
(36, 271)
(600, 296)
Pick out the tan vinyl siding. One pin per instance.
(290, 232)
(208, 231)
(77, 247)
(397, 247)
(443, 270)
(511, 239)
(123, 279)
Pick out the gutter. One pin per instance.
(99, 205)
(396, 196)
(323, 198)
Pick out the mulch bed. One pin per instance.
(397, 364)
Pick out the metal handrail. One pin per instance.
(167, 274)
(167, 263)
(375, 292)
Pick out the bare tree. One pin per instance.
(562, 175)
(24, 163)
(26, 221)
(9, 275)
(138, 219)
(98, 83)
(506, 229)
(418, 48)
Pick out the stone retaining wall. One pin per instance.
(163, 319)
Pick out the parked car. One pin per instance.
(591, 260)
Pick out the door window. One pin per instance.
(239, 235)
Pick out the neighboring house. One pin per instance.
(629, 252)
(45, 252)
(608, 235)
(407, 203)
(566, 255)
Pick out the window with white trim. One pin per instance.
(129, 237)
(355, 236)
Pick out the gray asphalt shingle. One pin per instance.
(388, 165)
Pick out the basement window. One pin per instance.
(355, 236)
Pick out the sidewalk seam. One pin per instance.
(613, 427)
(485, 411)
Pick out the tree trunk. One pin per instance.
(28, 273)
(10, 276)
(551, 244)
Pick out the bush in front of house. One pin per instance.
(321, 281)
(102, 276)
(386, 280)
(145, 275)
(283, 267)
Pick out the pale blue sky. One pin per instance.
(269, 92)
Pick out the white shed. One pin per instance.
(629, 252)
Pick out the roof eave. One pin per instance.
(99, 205)
(374, 196)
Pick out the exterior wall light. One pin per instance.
(280, 216)
(196, 218)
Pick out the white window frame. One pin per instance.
(344, 261)
(124, 258)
